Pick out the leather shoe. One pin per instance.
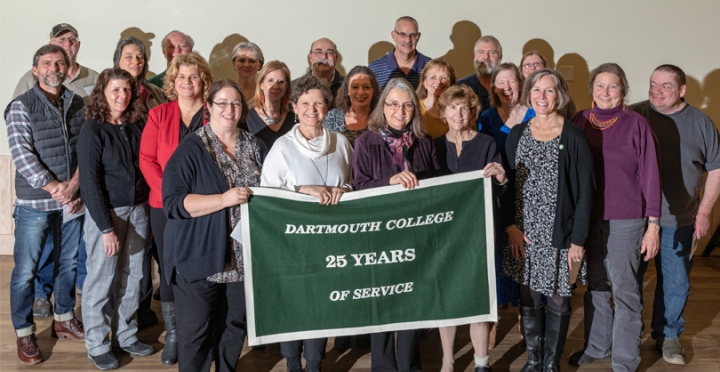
(72, 329)
(146, 318)
(138, 348)
(105, 361)
(482, 369)
(28, 352)
(42, 308)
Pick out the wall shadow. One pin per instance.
(379, 49)
(711, 85)
(220, 57)
(461, 56)
(578, 83)
(146, 38)
(694, 94)
(543, 47)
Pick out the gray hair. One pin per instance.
(248, 45)
(190, 41)
(560, 85)
(611, 68)
(377, 119)
(489, 39)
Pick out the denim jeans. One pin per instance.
(32, 226)
(673, 264)
(46, 265)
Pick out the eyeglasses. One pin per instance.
(397, 106)
(443, 79)
(66, 40)
(320, 53)
(403, 35)
(224, 105)
(534, 65)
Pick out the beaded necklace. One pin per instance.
(602, 125)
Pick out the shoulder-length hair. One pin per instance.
(98, 107)
(377, 119)
(220, 85)
(437, 62)
(132, 40)
(266, 69)
(193, 59)
(464, 93)
(507, 66)
(560, 85)
(612, 68)
(342, 99)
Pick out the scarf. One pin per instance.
(399, 143)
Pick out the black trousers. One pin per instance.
(210, 324)
(314, 352)
(382, 348)
(157, 224)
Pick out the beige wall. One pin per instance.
(639, 35)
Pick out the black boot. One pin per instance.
(556, 330)
(533, 322)
(169, 354)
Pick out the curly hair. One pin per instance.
(192, 59)
(98, 108)
(308, 83)
(342, 99)
(460, 93)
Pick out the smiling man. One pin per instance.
(404, 61)
(488, 56)
(175, 43)
(322, 58)
(689, 146)
(43, 125)
(80, 79)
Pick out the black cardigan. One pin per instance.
(576, 183)
(196, 247)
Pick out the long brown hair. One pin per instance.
(98, 108)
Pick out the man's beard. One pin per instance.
(60, 77)
(485, 67)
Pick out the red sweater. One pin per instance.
(158, 142)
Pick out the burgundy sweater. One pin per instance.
(626, 165)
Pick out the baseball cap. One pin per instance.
(62, 27)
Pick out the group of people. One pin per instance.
(113, 168)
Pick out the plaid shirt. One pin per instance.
(22, 149)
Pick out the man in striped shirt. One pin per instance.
(404, 61)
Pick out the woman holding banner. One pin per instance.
(395, 151)
(315, 161)
(204, 183)
(554, 183)
(463, 149)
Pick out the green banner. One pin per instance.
(382, 259)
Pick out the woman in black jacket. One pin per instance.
(204, 183)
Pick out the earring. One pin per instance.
(262, 97)
(296, 119)
(284, 100)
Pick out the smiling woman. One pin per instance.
(130, 56)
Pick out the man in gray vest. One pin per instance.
(43, 125)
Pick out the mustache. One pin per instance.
(324, 61)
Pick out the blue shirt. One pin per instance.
(386, 68)
(491, 124)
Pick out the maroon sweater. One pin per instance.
(626, 165)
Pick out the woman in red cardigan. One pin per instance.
(186, 85)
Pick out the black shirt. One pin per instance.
(110, 176)
(257, 127)
(195, 124)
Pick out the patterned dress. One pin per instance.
(545, 269)
(335, 121)
(243, 171)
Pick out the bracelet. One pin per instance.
(501, 184)
(509, 228)
(654, 222)
(108, 231)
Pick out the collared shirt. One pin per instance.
(386, 68)
(22, 149)
(81, 84)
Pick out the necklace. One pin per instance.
(326, 169)
(270, 120)
(602, 125)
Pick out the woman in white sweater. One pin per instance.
(314, 161)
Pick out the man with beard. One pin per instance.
(488, 55)
(322, 58)
(43, 125)
(404, 61)
(80, 79)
